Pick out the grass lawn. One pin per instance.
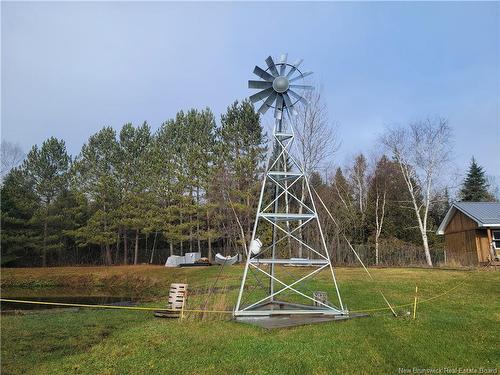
(457, 330)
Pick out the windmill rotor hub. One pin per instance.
(281, 84)
(278, 87)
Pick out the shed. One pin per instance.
(472, 233)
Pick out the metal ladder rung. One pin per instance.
(297, 261)
(280, 175)
(285, 217)
(283, 135)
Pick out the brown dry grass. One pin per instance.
(133, 279)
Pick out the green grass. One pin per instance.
(458, 330)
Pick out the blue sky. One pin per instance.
(70, 68)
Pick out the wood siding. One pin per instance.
(461, 247)
(465, 243)
(460, 223)
(483, 245)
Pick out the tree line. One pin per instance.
(137, 196)
(126, 194)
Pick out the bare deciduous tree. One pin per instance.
(380, 201)
(11, 155)
(317, 139)
(421, 150)
(380, 180)
(359, 179)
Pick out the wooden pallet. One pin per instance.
(176, 301)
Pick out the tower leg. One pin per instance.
(279, 178)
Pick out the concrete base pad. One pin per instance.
(283, 321)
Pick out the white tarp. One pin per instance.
(221, 259)
(192, 257)
(176, 260)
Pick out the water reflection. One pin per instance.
(79, 299)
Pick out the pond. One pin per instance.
(88, 300)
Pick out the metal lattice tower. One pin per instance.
(281, 210)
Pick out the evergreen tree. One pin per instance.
(166, 187)
(200, 144)
(240, 154)
(344, 204)
(133, 169)
(46, 169)
(183, 168)
(388, 200)
(441, 206)
(20, 239)
(96, 178)
(74, 213)
(475, 186)
(399, 218)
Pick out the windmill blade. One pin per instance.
(283, 59)
(288, 101)
(303, 75)
(298, 97)
(261, 95)
(303, 87)
(263, 74)
(272, 66)
(296, 64)
(267, 104)
(259, 84)
(289, 104)
(278, 111)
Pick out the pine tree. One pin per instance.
(475, 186)
(183, 161)
(441, 206)
(240, 154)
(133, 166)
(200, 139)
(47, 170)
(96, 178)
(165, 185)
(20, 238)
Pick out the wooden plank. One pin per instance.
(491, 250)
(460, 223)
(483, 245)
(461, 247)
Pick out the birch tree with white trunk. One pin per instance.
(422, 151)
(380, 181)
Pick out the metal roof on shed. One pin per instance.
(485, 214)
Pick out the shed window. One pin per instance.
(496, 239)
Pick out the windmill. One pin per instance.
(282, 212)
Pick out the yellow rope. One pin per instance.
(211, 311)
(419, 302)
(111, 307)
